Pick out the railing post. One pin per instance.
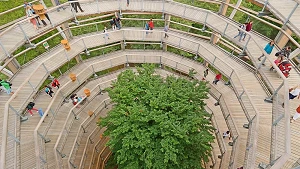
(246, 44)
(66, 55)
(61, 154)
(86, 50)
(225, 29)
(290, 15)
(26, 37)
(213, 63)
(43, 137)
(163, 10)
(270, 99)
(13, 137)
(127, 64)
(45, 68)
(73, 165)
(184, 11)
(98, 9)
(75, 116)
(31, 86)
(94, 71)
(83, 128)
(264, 7)
(7, 54)
(228, 82)
(240, 96)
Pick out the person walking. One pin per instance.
(227, 134)
(75, 5)
(217, 78)
(241, 32)
(296, 115)
(49, 91)
(105, 33)
(118, 22)
(205, 73)
(268, 49)
(29, 14)
(293, 93)
(46, 15)
(7, 86)
(147, 27)
(113, 23)
(41, 113)
(55, 83)
(166, 29)
(248, 28)
(127, 3)
(151, 24)
(30, 107)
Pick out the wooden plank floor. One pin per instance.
(276, 7)
(252, 48)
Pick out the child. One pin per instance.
(105, 33)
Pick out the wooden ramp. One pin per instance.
(184, 11)
(287, 11)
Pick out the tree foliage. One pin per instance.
(158, 123)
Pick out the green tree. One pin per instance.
(158, 123)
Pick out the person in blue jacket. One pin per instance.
(269, 47)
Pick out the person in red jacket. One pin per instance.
(151, 24)
(248, 28)
(217, 78)
(55, 83)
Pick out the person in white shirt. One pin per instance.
(293, 93)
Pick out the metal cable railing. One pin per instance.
(235, 27)
(83, 129)
(140, 34)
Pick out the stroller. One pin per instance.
(285, 66)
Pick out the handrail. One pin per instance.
(56, 53)
(15, 8)
(81, 127)
(72, 119)
(6, 107)
(169, 2)
(87, 68)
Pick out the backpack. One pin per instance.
(30, 105)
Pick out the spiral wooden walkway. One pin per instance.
(11, 39)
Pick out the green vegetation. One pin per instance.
(158, 123)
